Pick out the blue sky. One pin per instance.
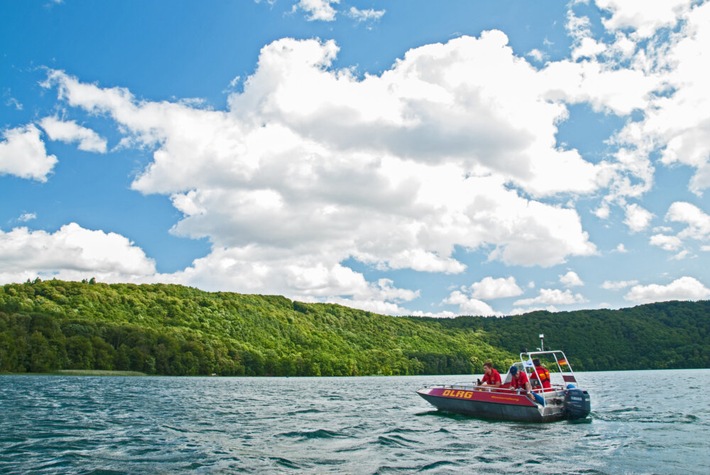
(405, 157)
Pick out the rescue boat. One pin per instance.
(561, 400)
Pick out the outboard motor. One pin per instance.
(577, 403)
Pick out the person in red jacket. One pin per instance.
(520, 382)
(541, 374)
(491, 376)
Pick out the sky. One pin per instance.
(406, 157)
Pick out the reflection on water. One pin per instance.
(61, 424)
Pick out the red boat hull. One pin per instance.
(498, 404)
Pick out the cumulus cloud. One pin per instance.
(657, 53)
(470, 300)
(551, 297)
(667, 243)
(571, 279)
(311, 166)
(697, 228)
(318, 10)
(697, 222)
(536, 55)
(642, 17)
(677, 124)
(365, 15)
(454, 146)
(470, 306)
(71, 253)
(70, 131)
(495, 288)
(23, 154)
(618, 285)
(684, 288)
(25, 217)
(637, 218)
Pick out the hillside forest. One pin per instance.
(164, 329)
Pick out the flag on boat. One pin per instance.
(562, 362)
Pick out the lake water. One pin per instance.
(642, 422)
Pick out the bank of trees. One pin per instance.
(663, 335)
(177, 330)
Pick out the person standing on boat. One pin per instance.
(541, 374)
(520, 382)
(491, 377)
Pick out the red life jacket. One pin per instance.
(544, 376)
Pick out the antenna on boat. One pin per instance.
(542, 342)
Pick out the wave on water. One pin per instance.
(395, 441)
(171, 425)
(284, 462)
(641, 416)
(434, 466)
(304, 411)
(443, 414)
(312, 434)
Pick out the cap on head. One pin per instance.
(513, 370)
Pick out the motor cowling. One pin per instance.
(577, 403)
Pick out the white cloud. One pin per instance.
(365, 15)
(14, 103)
(684, 288)
(697, 222)
(310, 166)
(470, 306)
(536, 55)
(588, 48)
(677, 125)
(643, 17)
(306, 278)
(318, 10)
(495, 288)
(637, 218)
(618, 285)
(667, 243)
(659, 72)
(697, 228)
(71, 253)
(22, 153)
(684, 254)
(619, 91)
(571, 279)
(521, 311)
(315, 164)
(551, 297)
(70, 131)
(602, 212)
(25, 217)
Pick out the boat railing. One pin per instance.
(561, 374)
(505, 389)
(559, 366)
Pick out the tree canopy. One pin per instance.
(176, 330)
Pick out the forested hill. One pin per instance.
(653, 336)
(177, 330)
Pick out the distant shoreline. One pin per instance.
(97, 372)
(83, 372)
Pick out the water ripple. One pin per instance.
(114, 425)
